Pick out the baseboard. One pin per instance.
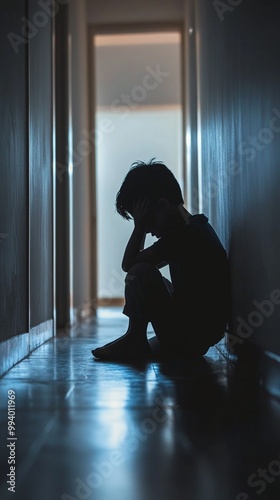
(40, 334)
(12, 351)
(113, 302)
(18, 347)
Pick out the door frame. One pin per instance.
(116, 29)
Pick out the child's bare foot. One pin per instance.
(127, 347)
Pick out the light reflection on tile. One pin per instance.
(132, 432)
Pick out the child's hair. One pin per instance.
(152, 180)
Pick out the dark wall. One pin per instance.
(237, 53)
(64, 291)
(14, 175)
(40, 140)
(26, 166)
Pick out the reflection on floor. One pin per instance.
(107, 431)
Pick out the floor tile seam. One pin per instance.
(33, 451)
(98, 407)
(25, 411)
(44, 381)
(87, 378)
(80, 378)
(227, 360)
(38, 442)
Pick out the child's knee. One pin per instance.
(143, 270)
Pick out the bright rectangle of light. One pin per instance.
(136, 39)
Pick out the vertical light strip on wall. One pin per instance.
(92, 174)
(199, 124)
(54, 178)
(183, 105)
(188, 119)
(70, 176)
(188, 136)
(189, 105)
(28, 119)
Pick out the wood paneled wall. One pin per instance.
(26, 142)
(238, 117)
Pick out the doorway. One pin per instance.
(138, 115)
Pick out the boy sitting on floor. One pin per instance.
(190, 314)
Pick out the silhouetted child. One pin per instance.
(190, 314)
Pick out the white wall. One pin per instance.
(150, 126)
(110, 11)
(142, 135)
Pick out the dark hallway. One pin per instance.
(72, 427)
(93, 430)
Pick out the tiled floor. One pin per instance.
(156, 431)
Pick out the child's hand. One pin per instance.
(142, 213)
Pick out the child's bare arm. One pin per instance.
(134, 252)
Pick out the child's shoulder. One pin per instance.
(199, 219)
